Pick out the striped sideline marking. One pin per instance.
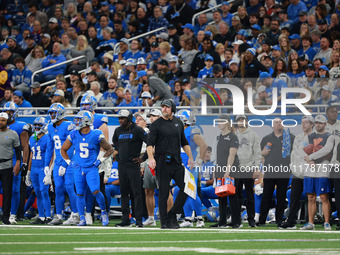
(138, 230)
(175, 241)
(181, 250)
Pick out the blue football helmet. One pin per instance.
(40, 125)
(57, 112)
(186, 117)
(12, 110)
(83, 119)
(88, 103)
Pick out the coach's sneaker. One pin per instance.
(149, 222)
(286, 225)
(38, 221)
(82, 221)
(123, 224)
(200, 224)
(89, 220)
(105, 218)
(56, 221)
(186, 224)
(327, 226)
(308, 226)
(12, 219)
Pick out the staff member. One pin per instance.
(128, 139)
(227, 164)
(9, 140)
(167, 135)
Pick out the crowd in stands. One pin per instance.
(295, 41)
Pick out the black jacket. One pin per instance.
(253, 69)
(198, 62)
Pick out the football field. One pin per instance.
(25, 239)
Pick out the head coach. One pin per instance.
(167, 136)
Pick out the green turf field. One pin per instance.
(24, 239)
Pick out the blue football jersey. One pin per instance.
(99, 119)
(18, 127)
(86, 146)
(114, 173)
(189, 133)
(57, 135)
(38, 150)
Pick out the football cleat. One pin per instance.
(200, 224)
(186, 224)
(105, 218)
(89, 220)
(56, 221)
(12, 219)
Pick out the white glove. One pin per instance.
(47, 170)
(258, 189)
(47, 180)
(61, 171)
(28, 181)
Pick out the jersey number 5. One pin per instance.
(84, 151)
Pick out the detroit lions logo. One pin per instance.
(244, 141)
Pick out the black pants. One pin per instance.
(166, 172)
(295, 195)
(130, 182)
(249, 187)
(268, 189)
(234, 208)
(6, 178)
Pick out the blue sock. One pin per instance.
(100, 200)
(47, 203)
(89, 200)
(30, 202)
(81, 204)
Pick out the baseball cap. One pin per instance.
(173, 59)
(74, 71)
(320, 118)
(53, 20)
(167, 103)
(140, 114)
(4, 115)
(122, 62)
(261, 89)
(130, 62)
(242, 32)
(225, 3)
(59, 92)
(208, 57)
(236, 18)
(154, 112)
(185, 81)
(310, 66)
(108, 55)
(140, 74)
(172, 26)
(241, 117)
(276, 47)
(238, 42)
(29, 37)
(322, 22)
(105, 3)
(265, 42)
(325, 87)
(257, 27)
(188, 25)
(92, 73)
(17, 93)
(217, 68)
(124, 40)
(308, 117)
(154, 44)
(263, 76)
(294, 36)
(208, 33)
(35, 85)
(141, 61)
(302, 13)
(47, 35)
(145, 94)
(127, 90)
(163, 36)
(303, 57)
(124, 113)
(315, 32)
(233, 62)
(163, 62)
(224, 117)
(323, 67)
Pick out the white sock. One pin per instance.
(76, 214)
(87, 214)
(59, 216)
(42, 218)
(152, 217)
(188, 219)
(199, 218)
(257, 217)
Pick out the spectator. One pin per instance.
(107, 43)
(285, 46)
(323, 27)
(198, 62)
(250, 66)
(180, 14)
(295, 7)
(65, 25)
(72, 33)
(302, 19)
(334, 64)
(92, 37)
(103, 22)
(128, 100)
(21, 76)
(175, 72)
(13, 46)
(136, 50)
(82, 49)
(71, 11)
(109, 97)
(7, 57)
(307, 43)
(201, 24)
(101, 74)
(46, 44)
(34, 60)
(224, 36)
(295, 71)
(38, 15)
(325, 52)
(65, 44)
(51, 60)
(77, 93)
(30, 44)
(21, 102)
(323, 72)
(59, 97)
(38, 98)
(174, 37)
(335, 23)
(53, 26)
(157, 21)
(207, 70)
(327, 98)
(119, 32)
(8, 96)
(142, 20)
(95, 87)
(162, 69)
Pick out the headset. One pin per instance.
(171, 102)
